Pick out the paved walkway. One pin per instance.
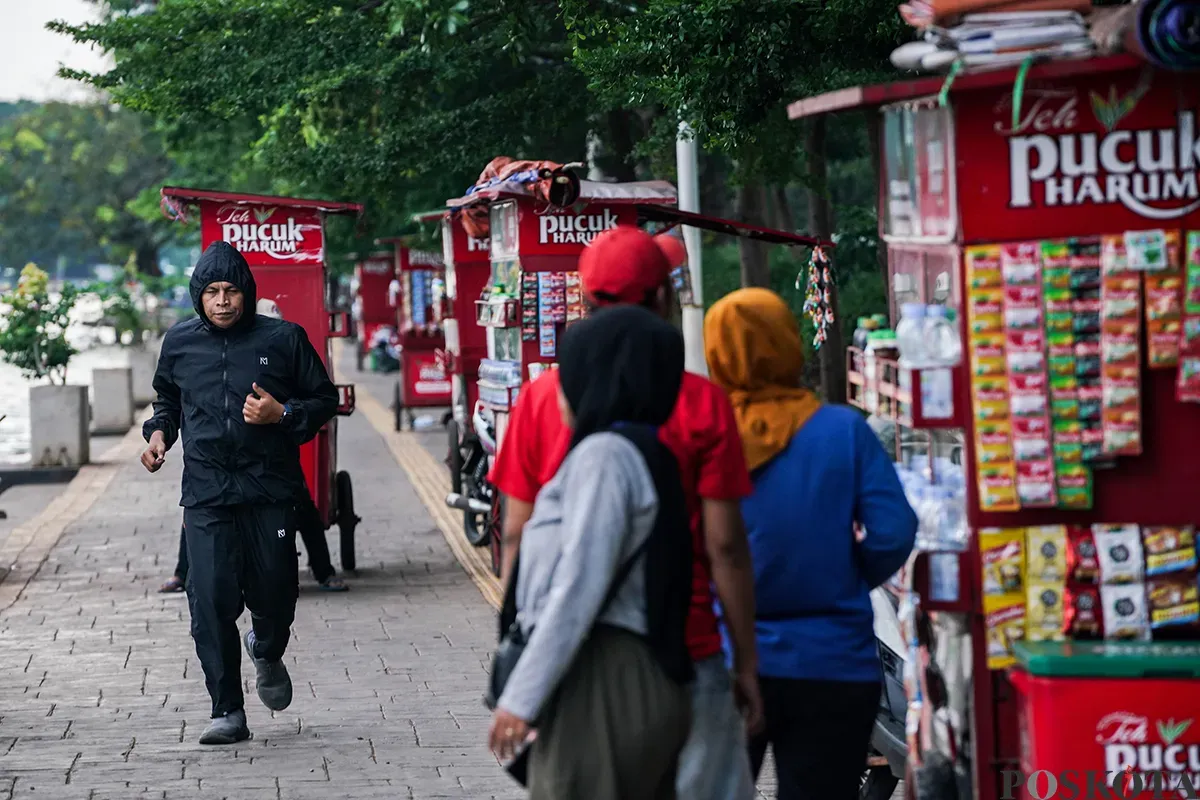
(101, 695)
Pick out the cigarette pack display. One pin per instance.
(1119, 553)
(1120, 352)
(994, 454)
(1164, 307)
(1025, 351)
(1124, 612)
(1073, 480)
(1188, 383)
(1085, 342)
(1169, 549)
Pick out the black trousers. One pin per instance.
(239, 557)
(819, 732)
(312, 532)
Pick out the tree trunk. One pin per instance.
(147, 260)
(784, 220)
(751, 199)
(875, 138)
(832, 356)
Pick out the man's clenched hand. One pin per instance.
(156, 452)
(261, 408)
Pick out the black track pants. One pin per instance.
(238, 557)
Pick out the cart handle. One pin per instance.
(346, 399)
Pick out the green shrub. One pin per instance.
(33, 334)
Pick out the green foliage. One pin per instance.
(395, 104)
(74, 181)
(119, 303)
(33, 331)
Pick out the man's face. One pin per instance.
(223, 303)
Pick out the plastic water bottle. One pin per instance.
(943, 347)
(910, 335)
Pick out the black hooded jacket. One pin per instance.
(204, 375)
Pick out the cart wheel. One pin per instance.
(398, 406)
(495, 523)
(454, 458)
(878, 784)
(347, 521)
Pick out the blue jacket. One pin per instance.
(812, 581)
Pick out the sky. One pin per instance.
(30, 55)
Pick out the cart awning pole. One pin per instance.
(689, 200)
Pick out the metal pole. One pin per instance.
(687, 164)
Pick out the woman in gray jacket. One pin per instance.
(603, 580)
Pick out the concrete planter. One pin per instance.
(58, 426)
(142, 363)
(112, 400)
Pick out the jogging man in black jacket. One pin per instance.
(247, 391)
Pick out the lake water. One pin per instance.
(100, 352)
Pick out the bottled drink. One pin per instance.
(943, 346)
(910, 336)
(881, 344)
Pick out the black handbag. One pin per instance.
(513, 640)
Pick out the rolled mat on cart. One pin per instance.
(1166, 33)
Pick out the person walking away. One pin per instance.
(627, 266)
(601, 588)
(818, 471)
(178, 579)
(246, 391)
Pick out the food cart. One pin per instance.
(514, 293)
(374, 300)
(1057, 211)
(283, 241)
(419, 314)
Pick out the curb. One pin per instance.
(432, 483)
(29, 545)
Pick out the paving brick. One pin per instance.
(100, 680)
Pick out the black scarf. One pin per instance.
(620, 371)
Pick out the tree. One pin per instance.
(81, 179)
(395, 104)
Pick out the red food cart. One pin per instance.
(375, 306)
(420, 311)
(512, 296)
(1058, 212)
(283, 240)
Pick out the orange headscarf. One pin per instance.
(754, 351)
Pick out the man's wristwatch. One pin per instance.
(287, 412)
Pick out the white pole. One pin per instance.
(687, 165)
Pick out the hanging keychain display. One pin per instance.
(818, 297)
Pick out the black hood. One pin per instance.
(222, 262)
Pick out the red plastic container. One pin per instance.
(1090, 709)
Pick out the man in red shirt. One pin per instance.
(628, 266)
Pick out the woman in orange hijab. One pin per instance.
(818, 470)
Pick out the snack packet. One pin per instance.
(1004, 623)
(1169, 549)
(1125, 614)
(1174, 601)
(1044, 611)
(1046, 553)
(1119, 552)
(1082, 615)
(1003, 559)
(1083, 564)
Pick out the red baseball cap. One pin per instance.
(623, 265)
(673, 249)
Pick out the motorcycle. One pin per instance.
(889, 748)
(471, 451)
